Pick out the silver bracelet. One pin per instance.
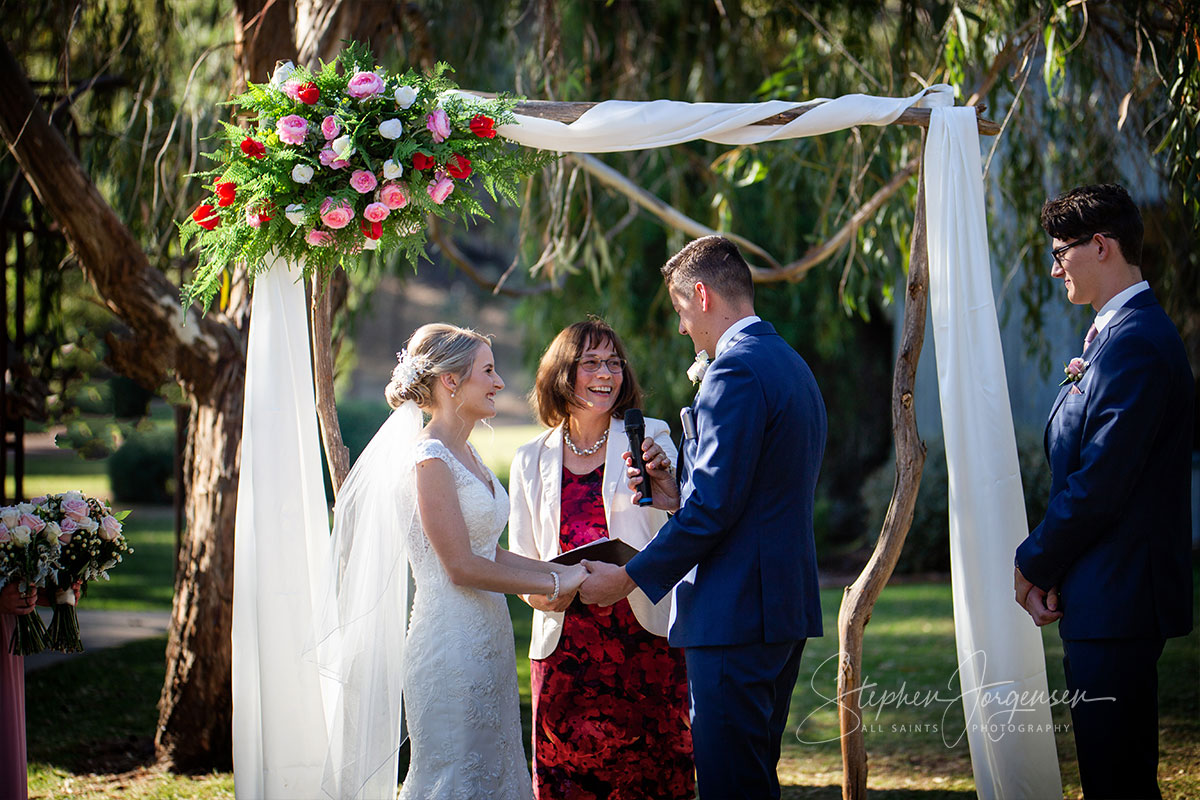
(554, 596)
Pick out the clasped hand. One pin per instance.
(569, 580)
(1042, 605)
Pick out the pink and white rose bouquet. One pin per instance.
(28, 557)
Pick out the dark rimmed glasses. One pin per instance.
(1057, 252)
(592, 364)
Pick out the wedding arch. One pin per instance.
(282, 523)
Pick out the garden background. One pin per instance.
(1086, 92)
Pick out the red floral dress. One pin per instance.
(610, 704)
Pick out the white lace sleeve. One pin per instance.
(433, 448)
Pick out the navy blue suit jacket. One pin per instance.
(1116, 538)
(746, 519)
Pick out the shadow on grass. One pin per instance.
(97, 713)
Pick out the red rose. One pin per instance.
(459, 167)
(226, 192)
(372, 230)
(205, 217)
(308, 93)
(483, 127)
(422, 161)
(253, 149)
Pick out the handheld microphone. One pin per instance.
(635, 429)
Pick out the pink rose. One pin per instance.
(37, 501)
(330, 128)
(292, 129)
(327, 157)
(376, 212)
(75, 509)
(1076, 367)
(339, 163)
(364, 84)
(34, 524)
(393, 196)
(439, 125)
(319, 238)
(110, 526)
(292, 89)
(67, 525)
(5, 536)
(336, 214)
(439, 190)
(363, 181)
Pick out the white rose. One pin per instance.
(370, 244)
(51, 532)
(294, 213)
(88, 524)
(392, 170)
(405, 96)
(342, 148)
(21, 535)
(302, 173)
(71, 495)
(10, 516)
(26, 508)
(283, 71)
(391, 129)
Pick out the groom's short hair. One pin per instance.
(1100, 208)
(714, 261)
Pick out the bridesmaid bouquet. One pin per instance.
(28, 555)
(90, 543)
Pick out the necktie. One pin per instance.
(1091, 334)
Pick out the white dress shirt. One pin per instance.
(733, 330)
(1116, 303)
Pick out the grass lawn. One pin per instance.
(91, 719)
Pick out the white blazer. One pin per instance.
(535, 492)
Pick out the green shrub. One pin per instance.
(927, 547)
(143, 469)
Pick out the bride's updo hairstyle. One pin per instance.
(433, 350)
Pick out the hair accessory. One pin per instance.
(409, 369)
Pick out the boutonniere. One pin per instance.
(1075, 370)
(699, 367)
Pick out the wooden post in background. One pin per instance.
(860, 597)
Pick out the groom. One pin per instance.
(1112, 556)
(741, 546)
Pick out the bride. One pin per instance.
(425, 495)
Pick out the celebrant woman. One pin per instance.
(610, 705)
(425, 495)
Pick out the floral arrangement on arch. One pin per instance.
(345, 159)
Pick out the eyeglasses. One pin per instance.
(592, 364)
(1057, 252)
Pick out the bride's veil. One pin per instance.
(360, 634)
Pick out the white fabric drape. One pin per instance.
(280, 554)
(618, 125)
(1002, 668)
(280, 733)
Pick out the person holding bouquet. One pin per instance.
(610, 702)
(13, 604)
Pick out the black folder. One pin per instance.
(610, 551)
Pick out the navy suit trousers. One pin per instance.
(740, 696)
(1117, 740)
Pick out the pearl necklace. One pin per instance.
(589, 451)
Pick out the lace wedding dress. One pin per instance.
(460, 670)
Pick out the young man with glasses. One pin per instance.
(1111, 559)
